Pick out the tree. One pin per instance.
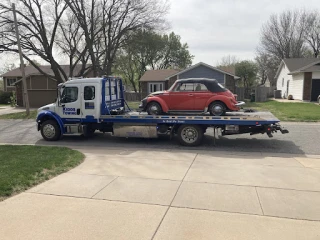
(38, 26)
(283, 35)
(150, 50)
(227, 61)
(312, 33)
(247, 71)
(106, 24)
(267, 67)
(88, 32)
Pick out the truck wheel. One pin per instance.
(154, 108)
(190, 135)
(217, 109)
(89, 131)
(50, 130)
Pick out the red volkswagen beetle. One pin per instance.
(192, 95)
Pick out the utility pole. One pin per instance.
(24, 81)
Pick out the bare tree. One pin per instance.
(106, 24)
(38, 26)
(283, 35)
(312, 33)
(72, 43)
(229, 60)
(267, 66)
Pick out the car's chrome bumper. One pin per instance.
(240, 104)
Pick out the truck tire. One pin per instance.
(190, 135)
(217, 108)
(50, 130)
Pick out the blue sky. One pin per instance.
(217, 28)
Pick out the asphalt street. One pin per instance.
(303, 138)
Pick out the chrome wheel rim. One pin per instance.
(189, 135)
(49, 131)
(217, 109)
(154, 109)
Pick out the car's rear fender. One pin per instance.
(226, 100)
(162, 103)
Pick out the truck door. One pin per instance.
(69, 107)
(89, 101)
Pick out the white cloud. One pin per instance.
(217, 28)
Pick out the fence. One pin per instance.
(240, 93)
(132, 96)
(261, 93)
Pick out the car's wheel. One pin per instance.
(217, 109)
(190, 135)
(154, 108)
(50, 130)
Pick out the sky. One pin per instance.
(214, 29)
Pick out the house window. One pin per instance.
(154, 87)
(11, 81)
(282, 82)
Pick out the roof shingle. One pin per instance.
(157, 75)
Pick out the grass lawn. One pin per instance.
(4, 105)
(133, 105)
(296, 112)
(22, 167)
(20, 115)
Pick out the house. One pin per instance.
(299, 77)
(42, 90)
(158, 80)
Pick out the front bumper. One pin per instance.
(240, 103)
(143, 104)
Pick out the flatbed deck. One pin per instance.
(235, 118)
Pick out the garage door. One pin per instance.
(315, 92)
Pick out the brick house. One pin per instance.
(158, 80)
(41, 89)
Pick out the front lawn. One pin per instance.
(20, 115)
(22, 167)
(133, 105)
(286, 111)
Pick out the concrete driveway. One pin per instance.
(139, 194)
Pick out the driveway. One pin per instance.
(143, 194)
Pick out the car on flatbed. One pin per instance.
(192, 95)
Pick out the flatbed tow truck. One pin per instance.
(86, 105)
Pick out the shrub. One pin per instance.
(13, 99)
(5, 97)
(290, 97)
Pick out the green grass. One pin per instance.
(20, 115)
(296, 112)
(134, 105)
(4, 105)
(22, 167)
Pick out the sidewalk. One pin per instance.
(138, 194)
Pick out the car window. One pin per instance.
(69, 94)
(200, 87)
(184, 87)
